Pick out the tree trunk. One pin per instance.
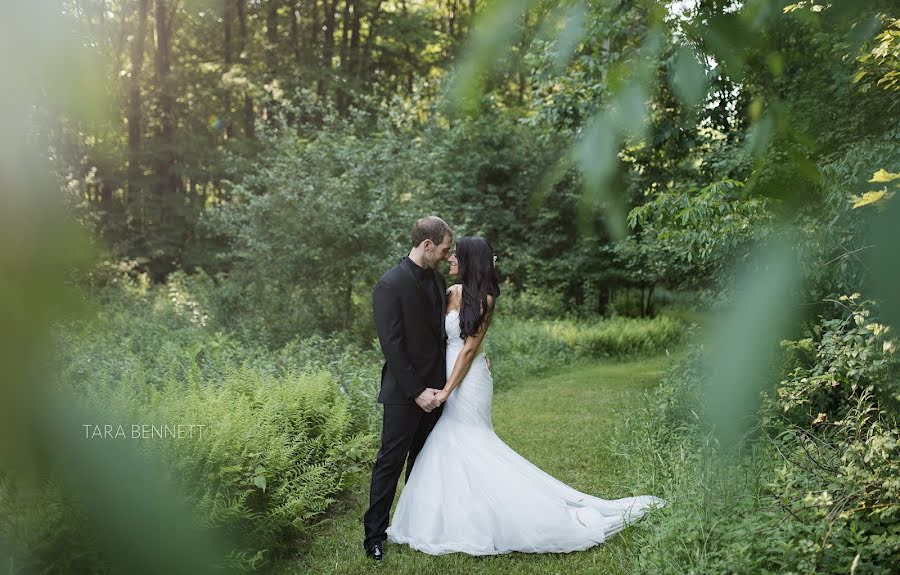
(349, 73)
(353, 60)
(452, 18)
(163, 62)
(134, 107)
(297, 54)
(520, 69)
(313, 36)
(342, 95)
(327, 49)
(166, 175)
(271, 56)
(348, 302)
(369, 47)
(603, 298)
(227, 17)
(249, 129)
(272, 36)
(296, 46)
(409, 53)
(127, 10)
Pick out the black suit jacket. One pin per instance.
(412, 338)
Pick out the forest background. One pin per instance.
(199, 196)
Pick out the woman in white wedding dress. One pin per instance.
(469, 492)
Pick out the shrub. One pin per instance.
(813, 490)
(533, 304)
(277, 452)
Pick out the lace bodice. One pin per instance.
(451, 321)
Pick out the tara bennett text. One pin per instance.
(143, 431)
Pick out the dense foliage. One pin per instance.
(816, 490)
(251, 168)
(283, 430)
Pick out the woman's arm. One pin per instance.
(465, 357)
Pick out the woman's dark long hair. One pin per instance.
(475, 258)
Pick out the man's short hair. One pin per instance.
(431, 228)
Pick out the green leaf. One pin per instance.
(883, 260)
(571, 35)
(760, 135)
(596, 155)
(630, 110)
(746, 339)
(260, 481)
(550, 178)
(493, 37)
(689, 77)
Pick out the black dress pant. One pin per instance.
(403, 433)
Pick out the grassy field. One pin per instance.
(561, 422)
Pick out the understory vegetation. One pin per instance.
(200, 196)
(283, 431)
(812, 488)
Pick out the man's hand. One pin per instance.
(426, 400)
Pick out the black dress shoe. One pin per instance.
(376, 551)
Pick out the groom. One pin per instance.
(409, 302)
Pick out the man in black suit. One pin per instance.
(409, 302)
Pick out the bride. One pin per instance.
(469, 492)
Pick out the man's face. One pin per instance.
(435, 254)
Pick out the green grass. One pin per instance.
(561, 422)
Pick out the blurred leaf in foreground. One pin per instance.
(885, 262)
(132, 516)
(745, 343)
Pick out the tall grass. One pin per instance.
(521, 348)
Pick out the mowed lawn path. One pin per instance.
(562, 423)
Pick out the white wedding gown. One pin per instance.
(469, 492)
